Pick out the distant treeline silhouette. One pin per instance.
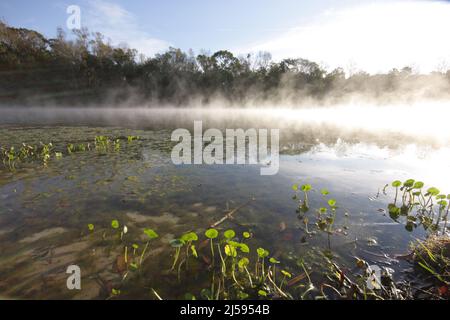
(87, 69)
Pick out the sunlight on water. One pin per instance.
(353, 151)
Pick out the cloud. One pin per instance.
(120, 26)
(373, 37)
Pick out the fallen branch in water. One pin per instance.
(230, 214)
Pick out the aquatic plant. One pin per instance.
(177, 244)
(238, 267)
(9, 158)
(432, 256)
(428, 208)
(188, 239)
(132, 138)
(151, 234)
(303, 203)
(70, 148)
(212, 234)
(45, 152)
(325, 216)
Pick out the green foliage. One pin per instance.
(211, 233)
(86, 62)
(229, 234)
(429, 209)
(115, 224)
(189, 237)
(262, 253)
(151, 234)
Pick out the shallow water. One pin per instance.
(44, 211)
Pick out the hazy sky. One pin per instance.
(354, 34)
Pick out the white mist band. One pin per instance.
(212, 153)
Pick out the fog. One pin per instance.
(424, 123)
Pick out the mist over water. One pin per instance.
(424, 123)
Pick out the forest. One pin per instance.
(86, 69)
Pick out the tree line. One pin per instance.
(87, 69)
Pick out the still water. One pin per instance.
(45, 211)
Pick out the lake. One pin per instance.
(45, 210)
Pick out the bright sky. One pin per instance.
(354, 34)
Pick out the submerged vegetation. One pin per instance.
(158, 255)
(237, 268)
(12, 157)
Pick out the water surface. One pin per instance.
(44, 211)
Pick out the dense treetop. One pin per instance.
(87, 69)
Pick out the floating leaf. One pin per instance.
(246, 235)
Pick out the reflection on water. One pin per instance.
(44, 211)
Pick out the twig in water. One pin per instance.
(230, 214)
